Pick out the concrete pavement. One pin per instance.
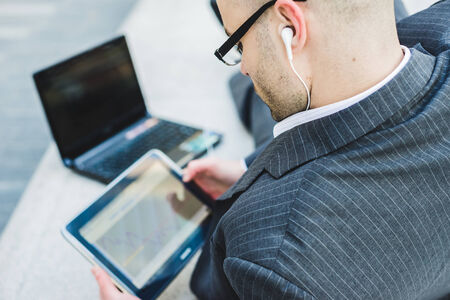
(34, 34)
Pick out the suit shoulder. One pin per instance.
(254, 226)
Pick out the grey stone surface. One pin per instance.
(34, 34)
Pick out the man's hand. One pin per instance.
(213, 175)
(108, 290)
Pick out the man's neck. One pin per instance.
(354, 72)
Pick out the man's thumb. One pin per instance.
(107, 288)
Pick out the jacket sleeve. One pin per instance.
(208, 281)
(253, 281)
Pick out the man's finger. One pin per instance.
(107, 287)
(194, 167)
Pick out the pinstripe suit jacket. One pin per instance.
(355, 205)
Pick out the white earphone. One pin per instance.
(286, 35)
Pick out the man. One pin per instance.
(254, 114)
(352, 198)
(330, 208)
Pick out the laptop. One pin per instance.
(98, 118)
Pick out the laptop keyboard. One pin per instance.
(163, 136)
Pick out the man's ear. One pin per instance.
(290, 14)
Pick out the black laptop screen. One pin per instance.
(91, 97)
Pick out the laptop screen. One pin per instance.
(91, 97)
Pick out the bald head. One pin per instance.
(349, 11)
(352, 13)
(339, 48)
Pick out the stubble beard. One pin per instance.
(274, 83)
(283, 95)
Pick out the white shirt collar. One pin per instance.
(320, 112)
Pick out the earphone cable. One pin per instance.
(304, 84)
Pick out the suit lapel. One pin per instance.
(317, 138)
(252, 173)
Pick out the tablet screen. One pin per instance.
(148, 217)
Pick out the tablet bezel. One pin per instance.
(168, 271)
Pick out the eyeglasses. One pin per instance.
(230, 53)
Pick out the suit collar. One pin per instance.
(326, 110)
(320, 137)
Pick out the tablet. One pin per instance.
(145, 227)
